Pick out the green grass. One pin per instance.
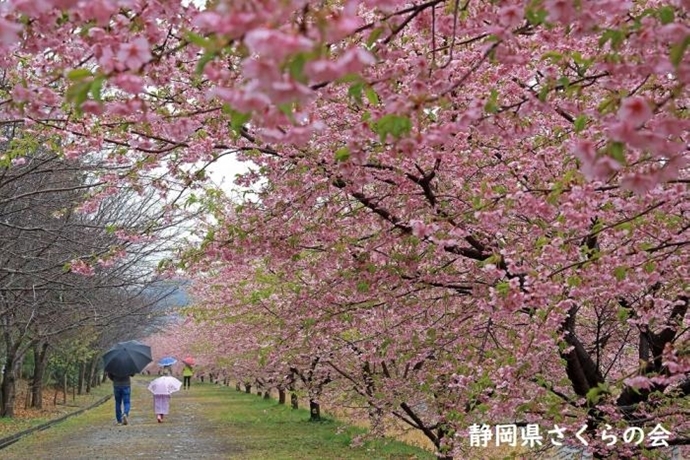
(265, 429)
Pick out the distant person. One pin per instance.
(122, 390)
(187, 373)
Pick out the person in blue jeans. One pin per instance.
(122, 389)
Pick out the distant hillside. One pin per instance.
(172, 293)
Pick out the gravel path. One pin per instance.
(184, 434)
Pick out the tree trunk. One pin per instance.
(92, 378)
(8, 388)
(247, 388)
(281, 395)
(27, 399)
(97, 373)
(314, 411)
(80, 379)
(238, 386)
(375, 413)
(294, 401)
(64, 389)
(267, 394)
(8, 395)
(87, 382)
(378, 427)
(19, 366)
(441, 433)
(40, 354)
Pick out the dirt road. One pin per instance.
(184, 434)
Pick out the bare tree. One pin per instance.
(46, 234)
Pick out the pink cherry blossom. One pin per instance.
(638, 183)
(672, 168)
(106, 263)
(133, 84)
(354, 60)
(97, 33)
(510, 16)
(106, 59)
(635, 111)
(604, 167)
(560, 10)
(92, 107)
(260, 70)
(341, 26)
(32, 8)
(82, 268)
(65, 4)
(135, 54)
(674, 31)
(9, 32)
(585, 151)
(21, 94)
(278, 45)
(625, 132)
(299, 136)
(384, 5)
(98, 10)
(232, 25)
(271, 135)
(322, 70)
(208, 21)
(243, 101)
(286, 91)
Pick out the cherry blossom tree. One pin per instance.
(463, 201)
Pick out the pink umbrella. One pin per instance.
(189, 360)
(165, 385)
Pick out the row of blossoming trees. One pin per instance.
(467, 212)
(54, 322)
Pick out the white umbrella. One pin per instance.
(165, 385)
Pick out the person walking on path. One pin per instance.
(161, 406)
(122, 390)
(187, 373)
(162, 388)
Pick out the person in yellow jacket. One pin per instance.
(187, 373)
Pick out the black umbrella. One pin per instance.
(127, 358)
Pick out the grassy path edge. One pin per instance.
(9, 440)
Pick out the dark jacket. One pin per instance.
(120, 381)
